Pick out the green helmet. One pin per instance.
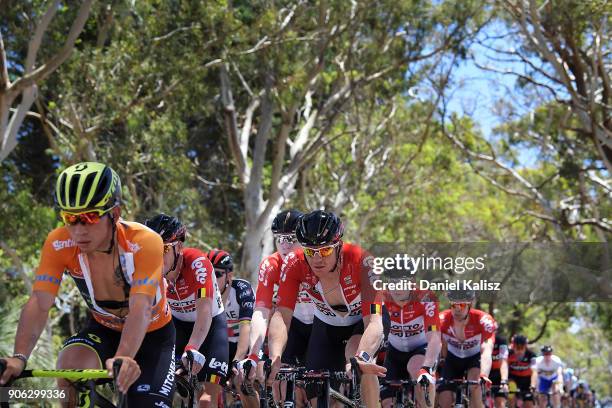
(87, 185)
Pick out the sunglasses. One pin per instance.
(168, 246)
(460, 305)
(324, 252)
(85, 218)
(285, 239)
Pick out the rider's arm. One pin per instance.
(279, 328)
(136, 324)
(485, 356)
(503, 369)
(372, 335)
(534, 373)
(243, 340)
(434, 344)
(259, 325)
(32, 322)
(203, 322)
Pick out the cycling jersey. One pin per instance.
(353, 280)
(548, 370)
(140, 260)
(521, 367)
(410, 323)
(479, 328)
(500, 352)
(268, 278)
(239, 307)
(196, 280)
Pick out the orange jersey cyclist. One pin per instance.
(347, 319)
(197, 307)
(117, 267)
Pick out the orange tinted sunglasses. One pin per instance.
(324, 251)
(461, 305)
(86, 218)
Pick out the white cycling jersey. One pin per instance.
(548, 370)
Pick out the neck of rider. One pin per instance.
(106, 247)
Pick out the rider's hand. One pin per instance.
(504, 387)
(14, 367)
(367, 368)
(198, 359)
(128, 374)
(251, 361)
(275, 366)
(485, 380)
(425, 374)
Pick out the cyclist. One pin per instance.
(414, 341)
(549, 372)
(568, 380)
(283, 229)
(521, 364)
(499, 370)
(468, 335)
(238, 300)
(117, 267)
(580, 393)
(347, 318)
(197, 308)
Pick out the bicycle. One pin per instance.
(187, 385)
(405, 395)
(85, 383)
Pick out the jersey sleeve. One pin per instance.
(51, 267)
(488, 326)
(432, 316)
(148, 264)
(246, 301)
(371, 299)
(200, 272)
(267, 277)
(291, 276)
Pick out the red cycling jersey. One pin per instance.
(196, 280)
(479, 328)
(500, 352)
(410, 322)
(355, 268)
(521, 366)
(268, 279)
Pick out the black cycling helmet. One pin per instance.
(519, 339)
(461, 295)
(319, 228)
(169, 227)
(546, 349)
(221, 259)
(286, 222)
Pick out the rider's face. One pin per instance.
(321, 265)
(93, 237)
(285, 243)
(460, 310)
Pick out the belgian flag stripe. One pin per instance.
(201, 293)
(375, 308)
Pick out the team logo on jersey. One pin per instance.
(430, 308)
(488, 323)
(200, 269)
(59, 245)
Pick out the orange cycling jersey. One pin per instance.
(141, 257)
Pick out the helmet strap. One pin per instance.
(114, 230)
(338, 256)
